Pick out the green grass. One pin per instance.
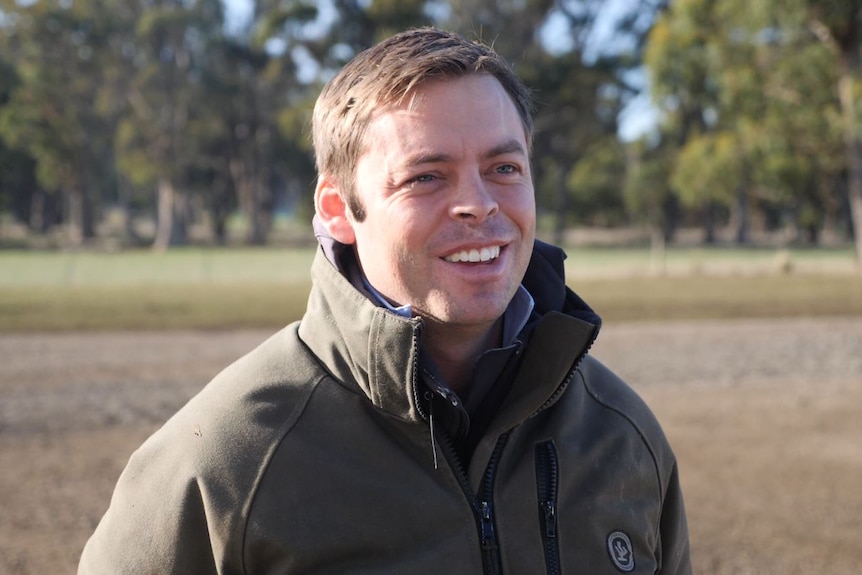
(720, 297)
(181, 266)
(226, 289)
(224, 306)
(592, 262)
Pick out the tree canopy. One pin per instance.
(163, 109)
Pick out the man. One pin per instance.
(435, 410)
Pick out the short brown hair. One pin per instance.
(381, 77)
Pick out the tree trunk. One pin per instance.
(669, 218)
(259, 214)
(81, 220)
(262, 223)
(561, 216)
(849, 70)
(74, 211)
(709, 235)
(37, 212)
(658, 252)
(124, 196)
(219, 210)
(251, 195)
(741, 216)
(172, 222)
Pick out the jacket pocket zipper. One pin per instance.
(485, 513)
(547, 485)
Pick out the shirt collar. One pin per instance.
(402, 310)
(514, 318)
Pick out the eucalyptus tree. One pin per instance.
(647, 193)
(801, 164)
(155, 138)
(679, 56)
(59, 52)
(21, 198)
(838, 24)
(778, 96)
(16, 199)
(750, 98)
(253, 77)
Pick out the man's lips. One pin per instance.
(474, 255)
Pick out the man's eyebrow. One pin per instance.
(431, 158)
(508, 147)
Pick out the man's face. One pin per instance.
(450, 213)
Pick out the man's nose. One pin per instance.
(474, 200)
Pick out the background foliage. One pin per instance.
(160, 122)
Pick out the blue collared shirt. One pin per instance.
(514, 318)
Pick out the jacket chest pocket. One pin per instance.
(585, 526)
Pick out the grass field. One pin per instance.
(230, 288)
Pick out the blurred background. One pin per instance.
(168, 122)
(699, 160)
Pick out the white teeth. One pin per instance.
(474, 255)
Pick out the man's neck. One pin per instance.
(456, 349)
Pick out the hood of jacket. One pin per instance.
(377, 351)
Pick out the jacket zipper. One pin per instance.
(483, 506)
(483, 503)
(491, 563)
(547, 487)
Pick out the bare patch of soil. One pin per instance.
(765, 417)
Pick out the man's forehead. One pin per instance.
(419, 103)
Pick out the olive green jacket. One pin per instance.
(313, 454)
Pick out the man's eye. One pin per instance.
(422, 179)
(507, 169)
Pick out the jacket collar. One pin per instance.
(359, 341)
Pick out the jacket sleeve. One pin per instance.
(156, 523)
(674, 553)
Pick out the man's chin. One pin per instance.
(465, 316)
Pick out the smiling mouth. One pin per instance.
(474, 255)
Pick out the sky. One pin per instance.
(237, 12)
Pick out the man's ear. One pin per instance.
(332, 211)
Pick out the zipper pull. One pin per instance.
(550, 519)
(488, 538)
(430, 397)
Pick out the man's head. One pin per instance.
(424, 156)
(382, 77)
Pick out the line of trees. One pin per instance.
(162, 108)
(759, 116)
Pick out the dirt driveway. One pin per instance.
(765, 416)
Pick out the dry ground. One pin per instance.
(765, 416)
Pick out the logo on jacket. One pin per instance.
(621, 552)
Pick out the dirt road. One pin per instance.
(765, 416)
